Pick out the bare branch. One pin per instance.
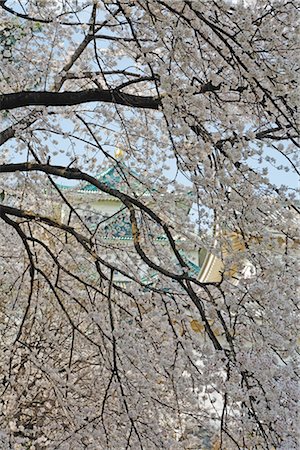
(44, 98)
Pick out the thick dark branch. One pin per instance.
(7, 134)
(93, 75)
(44, 98)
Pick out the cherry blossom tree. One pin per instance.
(201, 98)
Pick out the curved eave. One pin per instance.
(129, 239)
(80, 193)
(211, 269)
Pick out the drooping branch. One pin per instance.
(76, 174)
(127, 200)
(67, 98)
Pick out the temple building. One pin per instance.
(106, 215)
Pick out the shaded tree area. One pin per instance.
(200, 99)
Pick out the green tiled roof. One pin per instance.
(110, 178)
(118, 177)
(194, 270)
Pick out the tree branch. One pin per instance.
(67, 98)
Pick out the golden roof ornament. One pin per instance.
(119, 153)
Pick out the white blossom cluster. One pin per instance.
(109, 337)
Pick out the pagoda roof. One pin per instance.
(118, 176)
